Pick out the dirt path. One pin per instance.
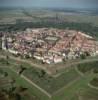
(76, 63)
(46, 69)
(80, 73)
(66, 86)
(29, 62)
(91, 86)
(32, 83)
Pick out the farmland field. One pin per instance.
(20, 19)
(10, 16)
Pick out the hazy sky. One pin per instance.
(51, 3)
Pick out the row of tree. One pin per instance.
(21, 26)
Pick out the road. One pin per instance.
(28, 62)
(32, 83)
(48, 70)
(29, 81)
(93, 87)
(36, 65)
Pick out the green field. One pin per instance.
(21, 82)
(49, 83)
(94, 82)
(20, 19)
(88, 66)
(11, 15)
(70, 85)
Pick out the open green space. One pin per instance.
(89, 94)
(21, 82)
(11, 15)
(94, 82)
(85, 67)
(69, 85)
(49, 83)
(11, 70)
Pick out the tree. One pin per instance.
(5, 74)
(82, 56)
(21, 69)
(41, 73)
(7, 58)
(95, 70)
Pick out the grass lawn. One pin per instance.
(72, 92)
(68, 86)
(21, 82)
(51, 84)
(89, 94)
(85, 67)
(94, 82)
